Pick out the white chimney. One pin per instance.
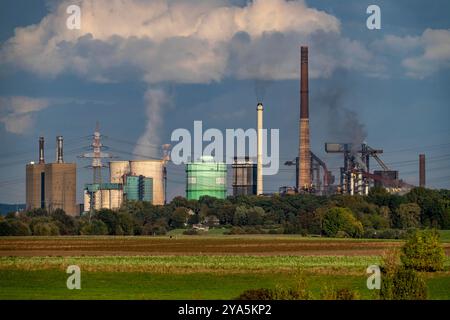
(259, 174)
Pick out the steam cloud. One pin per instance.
(149, 144)
(343, 124)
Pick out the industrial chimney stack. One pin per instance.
(422, 181)
(41, 150)
(259, 168)
(304, 152)
(59, 149)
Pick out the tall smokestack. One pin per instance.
(422, 181)
(259, 168)
(59, 149)
(41, 150)
(304, 149)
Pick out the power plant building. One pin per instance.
(206, 178)
(138, 188)
(103, 195)
(244, 177)
(51, 186)
(135, 180)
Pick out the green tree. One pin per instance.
(240, 216)
(178, 218)
(423, 251)
(431, 204)
(341, 220)
(110, 219)
(67, 225)
(45, 229)
(408, 215)
(95, 227)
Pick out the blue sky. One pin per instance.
(393, 83)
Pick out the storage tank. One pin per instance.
(206, 178)
(151, 169)
(117, 169)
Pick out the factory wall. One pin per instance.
(52, 186)
(35, 181)
(60, 187)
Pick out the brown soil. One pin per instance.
(129, 246)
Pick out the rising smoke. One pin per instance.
(149, 144)
(343, 124)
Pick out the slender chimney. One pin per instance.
(259, 168)
(59, 149)
(41, 150)
(304, 149)
(422, 181)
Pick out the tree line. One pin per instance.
(378, 215)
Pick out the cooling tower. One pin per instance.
(151, 169)
(117, 169)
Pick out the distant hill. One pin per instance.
(6, 208)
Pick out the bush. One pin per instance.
(423, 252)
(235, 230)
(278, 293)
(403, 284)
(156, 229)
(256, 294)
(95, 227)
(339, 294)
(19, 228)
(5, 228)
(194, 232)
(45, 229)
(67, 225)
(298, 292)
(341, 219)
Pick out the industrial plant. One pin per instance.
(206, 177)
(53, 185)
(312, 174)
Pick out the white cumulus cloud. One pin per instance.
(183, 41)
(423, 55)
(17, 113)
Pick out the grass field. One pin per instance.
(445, 235)
(190, 267)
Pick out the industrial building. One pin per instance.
(51, 186)
(355, 176)
(138, 188)
(103, 195)
(135, 180)
(206, 177)
(312, 174)
(244, 177)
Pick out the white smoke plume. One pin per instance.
(149, 144)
